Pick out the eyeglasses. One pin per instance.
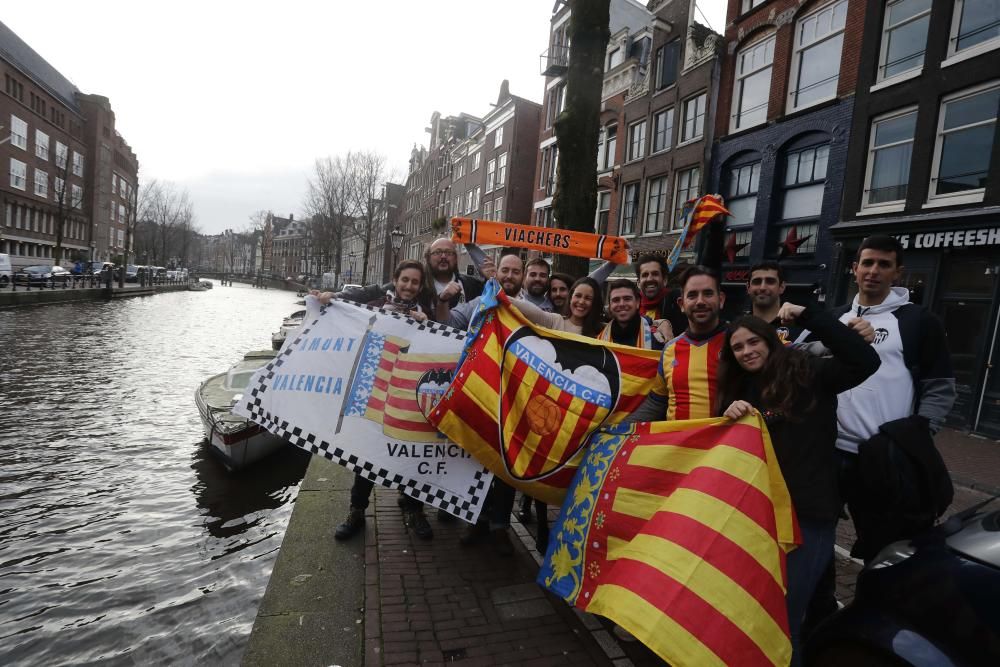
(443, 253)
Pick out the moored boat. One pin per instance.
(237, 441)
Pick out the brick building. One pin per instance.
(381, 257)
(656, 120)
(924, 164)
(786, 95)
(63, 157)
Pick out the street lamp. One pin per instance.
(352, 255)
(396, 238)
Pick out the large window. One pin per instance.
(803, 186)
(62, 152)
(77, 164)
(41, 145)
(491, 174)
(663, 129)
(556, 101)
(615, 58)
(656, 204)
(890, 149)
(41, 183)
(904, 37)
(965, 133)
(636, 140)
(975, 25)
(498, 208)
(18, 132)
(502, 170)
(666, 64)
(77, 201)
(550, 163)
(498, 137)
(630, 209)
(752, 87)
(694, 118)
(18, 174)
(819, 38)
(687, 187)
(747, 5)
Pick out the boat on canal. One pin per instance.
(288, 325)
(202, 286)
(239, 442)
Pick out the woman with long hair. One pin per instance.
(796, 393)
(410, 296)
(582, 313)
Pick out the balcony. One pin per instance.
(555, 61)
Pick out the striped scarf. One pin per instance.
(643, 338)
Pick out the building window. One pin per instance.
(965, 131)
(18, 174)
(498, 137)
(468, 201)
(556, 101)
(543, 217)
(819, 38)
(77, 197)
(41, 183)
(58, 189)
(121, 213)
(666, 64)
(889, 152)
(475, 198)
(41, 145)
(753, 84)
(114, 184)
(904, 37)
(502, 170)
(62, 153)
(975, 23)
(491, 174)
(615, 58)
(636, 140)
(630, 209)
(488, 209)
(742, 180)
(694, 118)
(607, 156)
(18, 132)
(77, 164)
(656, 204)
(688, 187)
(747, 5)
(550, 161)
(111, 206)
(603, 211)
(663, 129)
(805, 179)
(498, 208)
(476, 160)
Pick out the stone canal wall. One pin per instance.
(38, 296)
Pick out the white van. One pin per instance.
(6, 273)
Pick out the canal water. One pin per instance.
(121, 540)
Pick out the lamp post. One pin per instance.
(352, 255)
(396, 238)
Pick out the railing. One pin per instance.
(555, 61)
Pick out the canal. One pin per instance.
(121, 540)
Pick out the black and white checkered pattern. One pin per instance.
(426, 493)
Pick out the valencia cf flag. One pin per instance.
(525, 399)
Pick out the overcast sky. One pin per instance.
(235, 100)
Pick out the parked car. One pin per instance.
(6, 272)
(928, 601)
(96, 268)
(42, 276)
(132, 273)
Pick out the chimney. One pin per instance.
(291, 217)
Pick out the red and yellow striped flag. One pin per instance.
(678, 531)
(706, 209)
(526, 399)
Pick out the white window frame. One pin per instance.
(476, 160)
(18, 132)
(635, 212)
(62, 154)
(739, 78)
(498, 208)
(954, 55)
(491, 174)
(501, 171)
(77, 196)
(498, 137)
(797, 50)
(966, 196)
(607, 158)
(602, 194)
(700, 128)
(676, 224)
(18, 174)
(884, 47)
(667, 113)
(658, 214)
(58, 187)
(41, 179)
(747, 5)
(41, 145)
(636, 145)
(897, 204)
(77, 164)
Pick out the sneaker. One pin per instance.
(501, 542)
(474, 534)
(418, 522)
(354, 522)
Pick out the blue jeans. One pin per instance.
(805, 567)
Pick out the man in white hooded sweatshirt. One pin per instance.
(915, 378)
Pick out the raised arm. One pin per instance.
(852, 361)
(537, 315)
(601, 273)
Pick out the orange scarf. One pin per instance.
(545, 239)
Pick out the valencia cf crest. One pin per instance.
(554, 393)
(431, 387)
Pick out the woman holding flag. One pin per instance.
(581, 314)
(796, 393)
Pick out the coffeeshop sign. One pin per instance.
(962, 238)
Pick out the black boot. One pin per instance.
(418, 522)
(524, 514)
(354, 522)
(474, 534)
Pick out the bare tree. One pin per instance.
(260, 225)
(368, 175)
(138, 200)
(69, 199)
(331, 203)
(577, 126)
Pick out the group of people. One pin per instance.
(823, 381)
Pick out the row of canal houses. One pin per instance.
(819, 121)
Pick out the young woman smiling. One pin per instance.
(582, 313)
(796, 393)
